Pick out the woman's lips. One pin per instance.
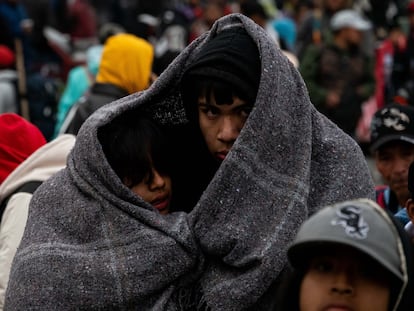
(161, 203)
(337, 307)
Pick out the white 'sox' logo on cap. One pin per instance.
(354, 224)
(395, 119)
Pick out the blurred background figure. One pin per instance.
(339, 75)
(80, 78)
(15, 195)
(402, 76)
(77, 18)
(384, 13)
(388, 57)
(18, 140)
(315, 27)
(392, 146)
(8, 78)
(281, 28)
(125, 68)
(17, 28)
(211, 11)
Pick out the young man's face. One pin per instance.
(221, 124)
(392, 161)
(344, 279)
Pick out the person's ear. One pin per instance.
(410, 209)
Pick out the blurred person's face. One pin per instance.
(344, 279)
(212, 12)
(393, 160)
(335, 5)
(221, 124)
(354, 37)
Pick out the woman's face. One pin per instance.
(156, 191)
(344, 280)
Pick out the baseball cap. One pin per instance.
(349, 18)
(393, 122)
(361, 224)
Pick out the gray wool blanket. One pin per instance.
(90, 243)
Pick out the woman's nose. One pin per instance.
(158, 180)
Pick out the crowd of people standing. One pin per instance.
(208, 155)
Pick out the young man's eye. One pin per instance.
(210, 111)
(246, 111)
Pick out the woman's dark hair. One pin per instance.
(133, 144)
(287, 296)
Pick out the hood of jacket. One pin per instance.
(126, 61)
(99, 245)
(40, 165)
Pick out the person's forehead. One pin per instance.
(341, 252)
(395, 146)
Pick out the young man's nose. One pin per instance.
(229, 129)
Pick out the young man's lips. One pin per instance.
(221, 155)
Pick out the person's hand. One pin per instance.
(332, 99)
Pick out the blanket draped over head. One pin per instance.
(90, 243)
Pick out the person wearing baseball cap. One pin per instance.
(339, 72)
(349, 19)
(392, 146)
(352, 255)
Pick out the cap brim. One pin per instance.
(388, 138)
(362, 25)
(298, 254)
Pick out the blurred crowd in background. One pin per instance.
(43, 43)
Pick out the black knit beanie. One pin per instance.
(231, 56)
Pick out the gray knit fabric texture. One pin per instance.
(90, 244)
